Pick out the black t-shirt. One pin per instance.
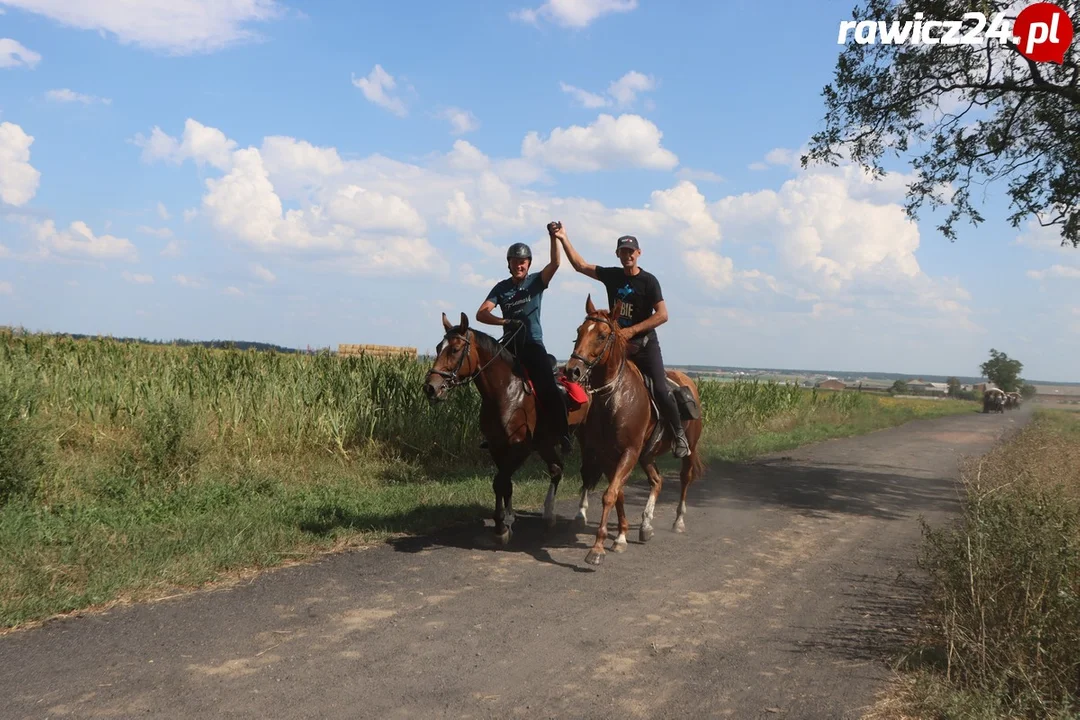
(639, 294)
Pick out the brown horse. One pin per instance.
(507, 413)
(620, 424)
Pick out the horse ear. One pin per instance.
(590, 309)
(464, 322)
(446, 323)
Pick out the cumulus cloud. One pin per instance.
(188, 282)
(573, 13)
(178, 27)
(66, 95)
(15, 54)
(1055, 271)
(204, 145)
(18, 178)
(461, 121)
(162, 211)
(232, 290)
(263, 274)
(621, 93)
(156, 232)
(377, 87)
(79, 240)
(609, 143)
(699, 175)
(137, 278)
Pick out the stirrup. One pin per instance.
(680, 444)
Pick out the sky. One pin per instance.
(315, 173)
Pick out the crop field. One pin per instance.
(127, 469)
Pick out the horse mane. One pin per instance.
(490, 345)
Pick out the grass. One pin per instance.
(130, 471)
(1001, 631)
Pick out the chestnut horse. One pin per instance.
(620, 423)
(507, 413)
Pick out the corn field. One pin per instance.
(288, 405)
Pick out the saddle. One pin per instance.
(684, 400)
(572, 394)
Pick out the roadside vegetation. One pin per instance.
(1000, 636)
(129, 471)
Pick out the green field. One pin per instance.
(130, 471)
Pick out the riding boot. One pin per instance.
(680, 445)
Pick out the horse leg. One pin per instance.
(582, 517)
(590, 477)
(555, 470)
(686, 476)
(656, 481)
(624, 526)
(616, 479)
(504, 490)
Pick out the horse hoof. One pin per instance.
(645, 534)
(504, 538)
(594, 558)
(618, 547)
(679, 527)
(580, 522)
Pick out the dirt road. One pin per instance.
(790, 586)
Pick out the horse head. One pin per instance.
(455, 360)
(597, 336)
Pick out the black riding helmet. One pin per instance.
(519, 251)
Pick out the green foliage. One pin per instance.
(969, 114)
(23, 448)
(1004, 603)
(1028, 391)
(899, 387)
(1003, 371)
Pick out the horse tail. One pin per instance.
(697, 465)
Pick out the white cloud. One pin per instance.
(138, 279)
(461, 121)
(65, 95)
(376, 87)
(625, 90)
(621, 93)
(711, 269)
(78, 239)
(699, 175)
(162, 211)
(607, 144)
(14, 54)
(18, 178)
(156, 232)
(171, 249)
(231, 290)
(573, 13)
(188, 282)
(474, 279)
(585, 98)
(1055, 271)
(263, 274)
(6, 288)
(178, 27)
(190, 214)
(204, 145)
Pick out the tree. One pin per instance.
(954, 387)
(1028, 391)
(899, 388)
(1003, 371)
(971, 115)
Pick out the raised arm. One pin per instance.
(572, 255)
(549, 270)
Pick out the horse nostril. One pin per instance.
(429, 389)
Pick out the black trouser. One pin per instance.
(650, 361)
(551, 413)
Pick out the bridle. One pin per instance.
(452, 377)
(590, 364)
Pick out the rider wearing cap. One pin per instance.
(518, 297)
(643, 310)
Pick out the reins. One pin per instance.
(589, 364)
(453, 380)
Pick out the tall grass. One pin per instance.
(1002, 637)
(127, 468)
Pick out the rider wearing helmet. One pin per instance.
(518, 297)
(643, 310)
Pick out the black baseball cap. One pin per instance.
(626, 241)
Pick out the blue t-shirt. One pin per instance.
(521, 302)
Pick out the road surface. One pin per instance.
(784, 598)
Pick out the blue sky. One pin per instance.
(332, 172)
